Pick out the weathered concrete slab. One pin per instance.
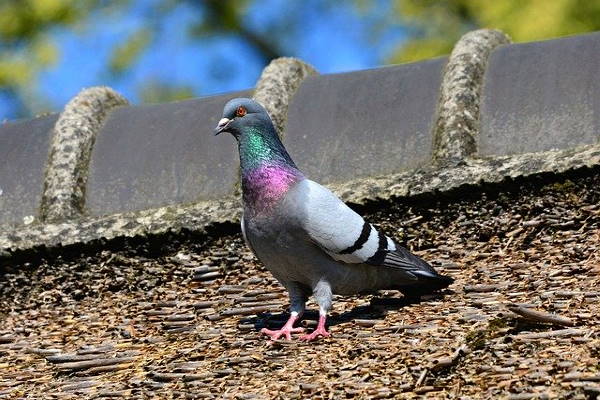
(23, 156)
(364, 123)
(541, 96)
(152, 156)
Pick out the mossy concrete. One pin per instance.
(457, 125)
(277, 85)
(74, 135)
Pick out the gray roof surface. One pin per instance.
(23, 156)
(541, 96)
(153, 156)
(489, 111)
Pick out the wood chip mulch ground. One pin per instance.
(179, 318)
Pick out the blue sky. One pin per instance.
(332, 36)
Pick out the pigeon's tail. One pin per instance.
(428, 280)
(425, 284)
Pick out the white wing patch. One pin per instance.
(334, 226)
(344, 235)
(367, 250)
(390, 244)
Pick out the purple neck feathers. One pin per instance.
(264, 185)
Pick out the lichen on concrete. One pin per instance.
(196, 217)
(70, 150)
(457, 123)
(278, 82)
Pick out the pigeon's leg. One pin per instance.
(297, 305)
(323, 296)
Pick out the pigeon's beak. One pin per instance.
(222, 125)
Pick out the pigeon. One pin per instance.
(311, 241)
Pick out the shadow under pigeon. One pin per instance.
(377, 309)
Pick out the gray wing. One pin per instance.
(345, 236)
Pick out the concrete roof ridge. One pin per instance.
(457, 120)
(446, 112)
(278, 83)
(70, 150)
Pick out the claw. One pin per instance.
(315, 334)
(285, 331)
(320, 331)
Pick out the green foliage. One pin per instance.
(21, 19)
(126, 54)
(435, 25)
(26, 47)
(161, 92)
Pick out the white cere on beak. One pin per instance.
(222, 122)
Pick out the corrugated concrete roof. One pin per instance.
(491, 110)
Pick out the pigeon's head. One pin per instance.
(240, 113)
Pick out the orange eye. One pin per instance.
(241, 111)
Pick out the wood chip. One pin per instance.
(94, 363)
(550, 334)
(481, 288)
(540, 316)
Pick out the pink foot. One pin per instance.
(286, 330)
(320, 331)
(315, 334)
